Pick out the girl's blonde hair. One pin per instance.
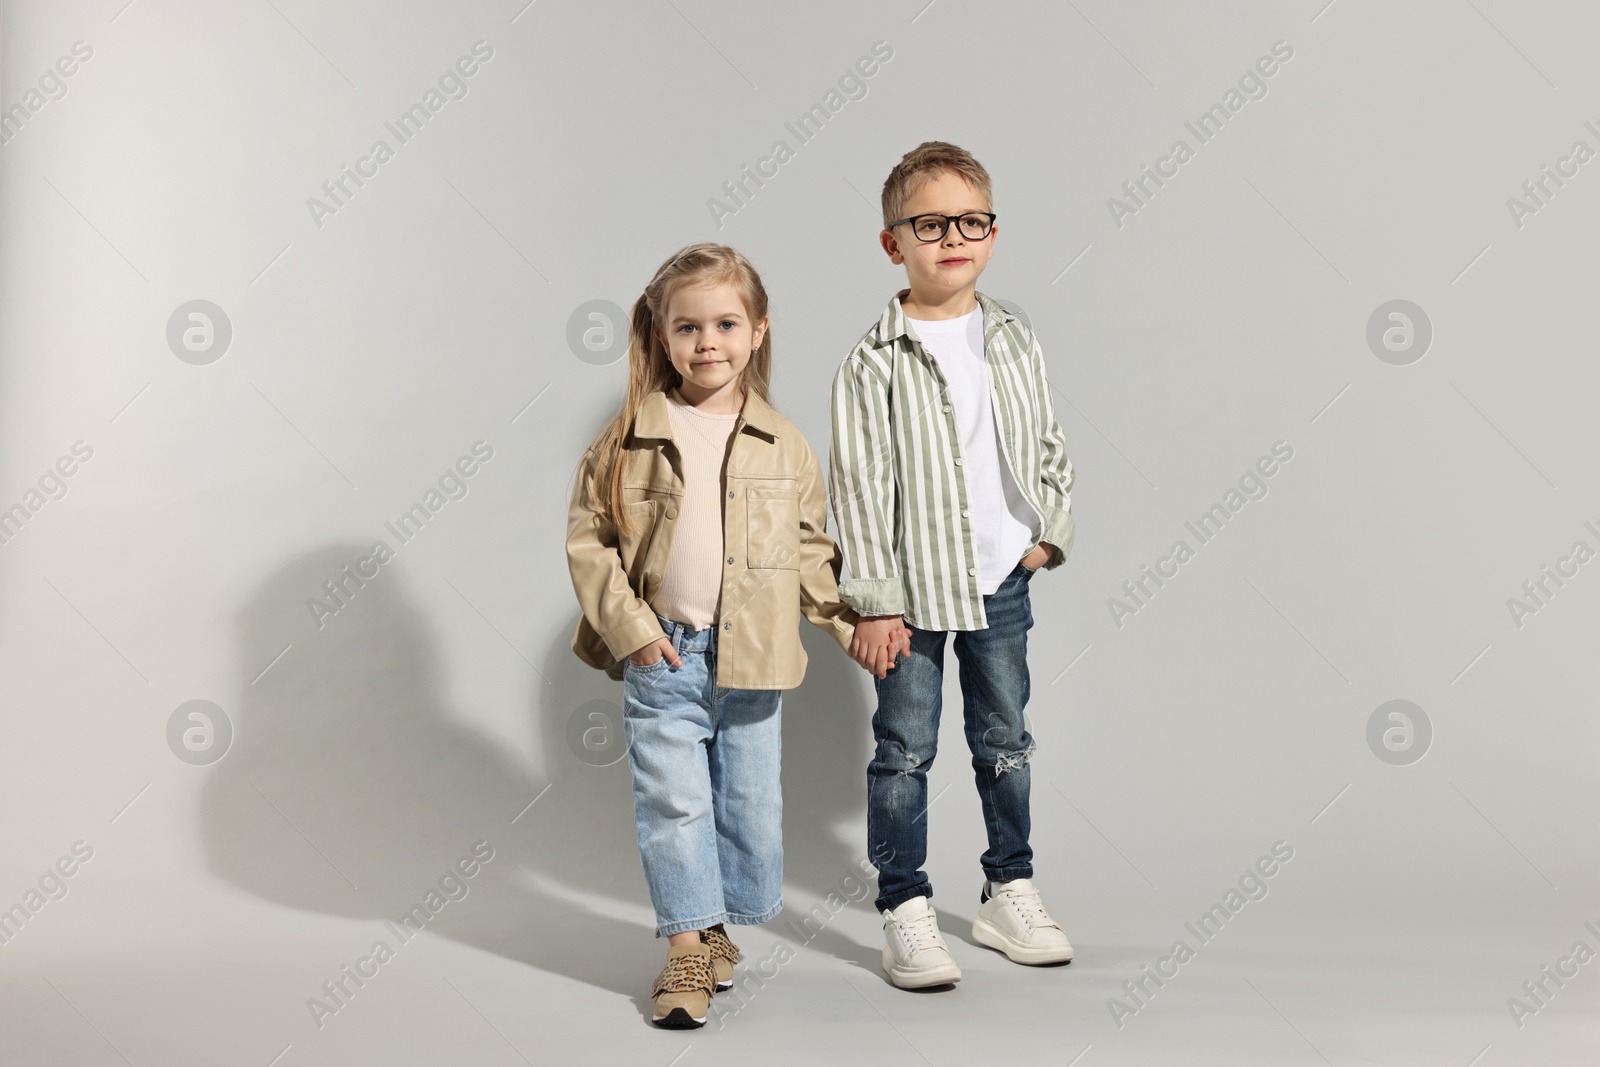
(649, 368)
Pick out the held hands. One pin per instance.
(877, 642)
(880, 639)
(661, 646)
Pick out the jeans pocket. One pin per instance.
(648, 670)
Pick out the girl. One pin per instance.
(695, 540)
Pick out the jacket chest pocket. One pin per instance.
(634, 545)
(772, 527)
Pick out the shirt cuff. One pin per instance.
(842, 628)
(632, 635)
(874, 596)
(1059, 530)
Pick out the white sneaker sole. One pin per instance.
(987, 933)
(920, 977)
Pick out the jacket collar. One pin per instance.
(653, 420)
(893, 323)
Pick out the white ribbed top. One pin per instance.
(691, 588)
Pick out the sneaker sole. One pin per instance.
(986, 933)
(679, 1019)
(922, 978)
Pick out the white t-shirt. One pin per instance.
(1003, 523)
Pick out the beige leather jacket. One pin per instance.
(780, 561)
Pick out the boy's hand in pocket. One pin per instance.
(1041, 554)
(878, 640)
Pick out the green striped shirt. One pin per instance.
(896, 476)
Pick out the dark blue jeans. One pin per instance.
(994, 690)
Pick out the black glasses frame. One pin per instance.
(945, 228)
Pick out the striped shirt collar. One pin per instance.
(893, 324)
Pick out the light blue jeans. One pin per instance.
(706, 796)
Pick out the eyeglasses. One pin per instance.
(975, 225)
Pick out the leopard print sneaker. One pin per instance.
(682, 991)
(724, 954)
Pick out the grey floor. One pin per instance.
(314, 839)
(226, 989)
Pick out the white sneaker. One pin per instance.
(1011, 918)
(914, 955)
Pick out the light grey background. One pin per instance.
(368, 354)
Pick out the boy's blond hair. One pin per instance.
(924, 162)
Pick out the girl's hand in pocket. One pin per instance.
(643, 657)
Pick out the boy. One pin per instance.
(951, 487)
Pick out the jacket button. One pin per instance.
(672, 513)
(727, 626)
(730, 561)
(730, 494)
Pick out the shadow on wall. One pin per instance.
(352, 787)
